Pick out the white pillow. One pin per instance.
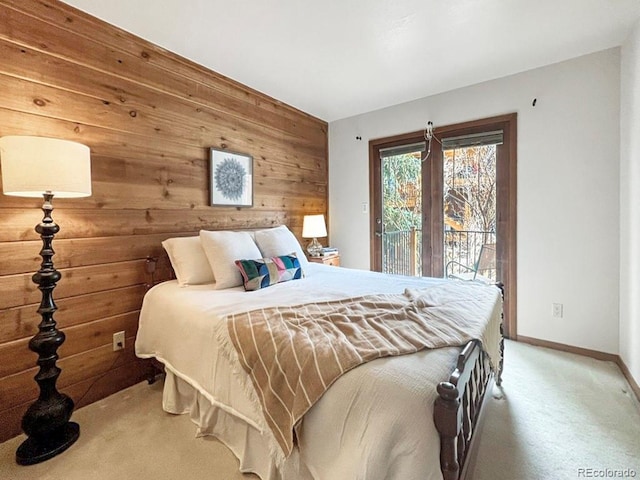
(222, 249)
(188, 260)
(277, 241)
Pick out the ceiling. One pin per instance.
(339, 58)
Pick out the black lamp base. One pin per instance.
(35, 450)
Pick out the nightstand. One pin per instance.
(333, 260)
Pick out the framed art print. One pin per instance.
(231, 179)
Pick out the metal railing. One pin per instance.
(402, 250)
(462, 247)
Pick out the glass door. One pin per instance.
(400, 222)
(448, 208)
(469, 211)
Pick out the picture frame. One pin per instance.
(230, 179)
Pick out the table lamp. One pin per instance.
(313, 226)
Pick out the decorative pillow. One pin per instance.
(265, 272)
(222, 248)
(278, 241)
(188, 260)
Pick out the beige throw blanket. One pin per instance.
(293, 354)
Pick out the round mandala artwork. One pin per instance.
(229, 178)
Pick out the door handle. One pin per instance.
(379, 223)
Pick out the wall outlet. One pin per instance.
(118, 341)
(556, 310)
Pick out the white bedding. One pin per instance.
(374, 423)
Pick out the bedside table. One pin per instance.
(333, 260)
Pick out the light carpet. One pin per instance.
(556, 416)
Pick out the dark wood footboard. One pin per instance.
(458, 406)
(457, 410)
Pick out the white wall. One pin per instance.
(568, 179)
(630, 205)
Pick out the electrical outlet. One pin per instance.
(556, 310)
(118, 341)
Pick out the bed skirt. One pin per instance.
(245, 441)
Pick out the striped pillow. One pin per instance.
(265, 272)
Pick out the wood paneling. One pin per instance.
(149, 117)
(22, 322)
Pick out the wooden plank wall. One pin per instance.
(149, 117)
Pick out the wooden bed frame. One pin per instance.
(458, 409)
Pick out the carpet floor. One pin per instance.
(557, 416)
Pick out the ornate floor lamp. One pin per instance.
(48, 167)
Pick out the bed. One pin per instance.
(409, 416)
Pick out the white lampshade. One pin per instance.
(313, 226)
(32, 166)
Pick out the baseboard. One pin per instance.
(607, 357)
(627, 373)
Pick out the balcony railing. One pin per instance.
(402, 251)
(462, 247)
